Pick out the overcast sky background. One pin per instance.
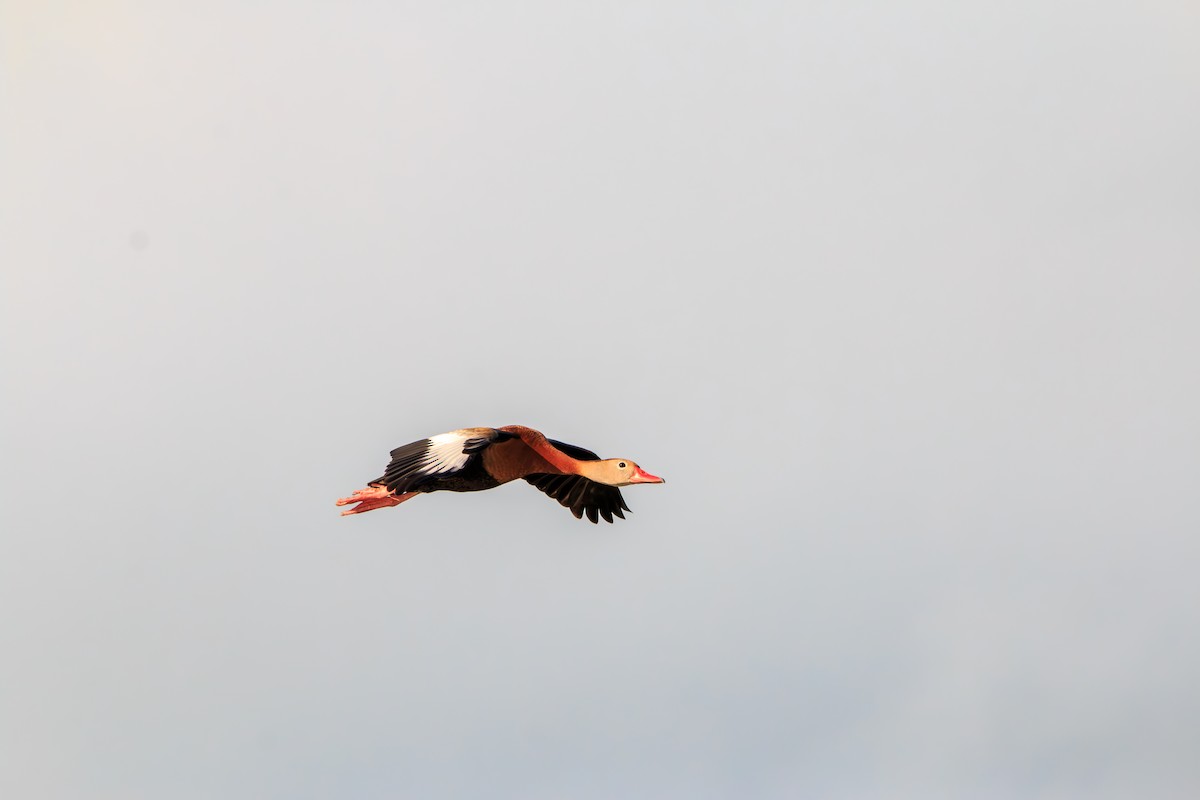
(902, 299)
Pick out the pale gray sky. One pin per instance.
(902, 299)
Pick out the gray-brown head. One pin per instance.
(616, 472)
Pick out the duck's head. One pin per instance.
(617, 472)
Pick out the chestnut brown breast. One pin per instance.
(509, 460)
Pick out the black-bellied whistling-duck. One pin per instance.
(473, 459)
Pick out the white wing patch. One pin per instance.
(417, 463)
(445, 454)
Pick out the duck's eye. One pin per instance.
(621, 465)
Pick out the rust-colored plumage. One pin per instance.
(474, 459)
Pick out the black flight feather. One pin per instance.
(580, 495)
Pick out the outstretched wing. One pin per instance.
(579, 494)
(441, 456)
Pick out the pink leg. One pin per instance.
(373, 497)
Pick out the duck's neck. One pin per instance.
(597, 471)
(539, 444)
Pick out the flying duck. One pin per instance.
(473, 459)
